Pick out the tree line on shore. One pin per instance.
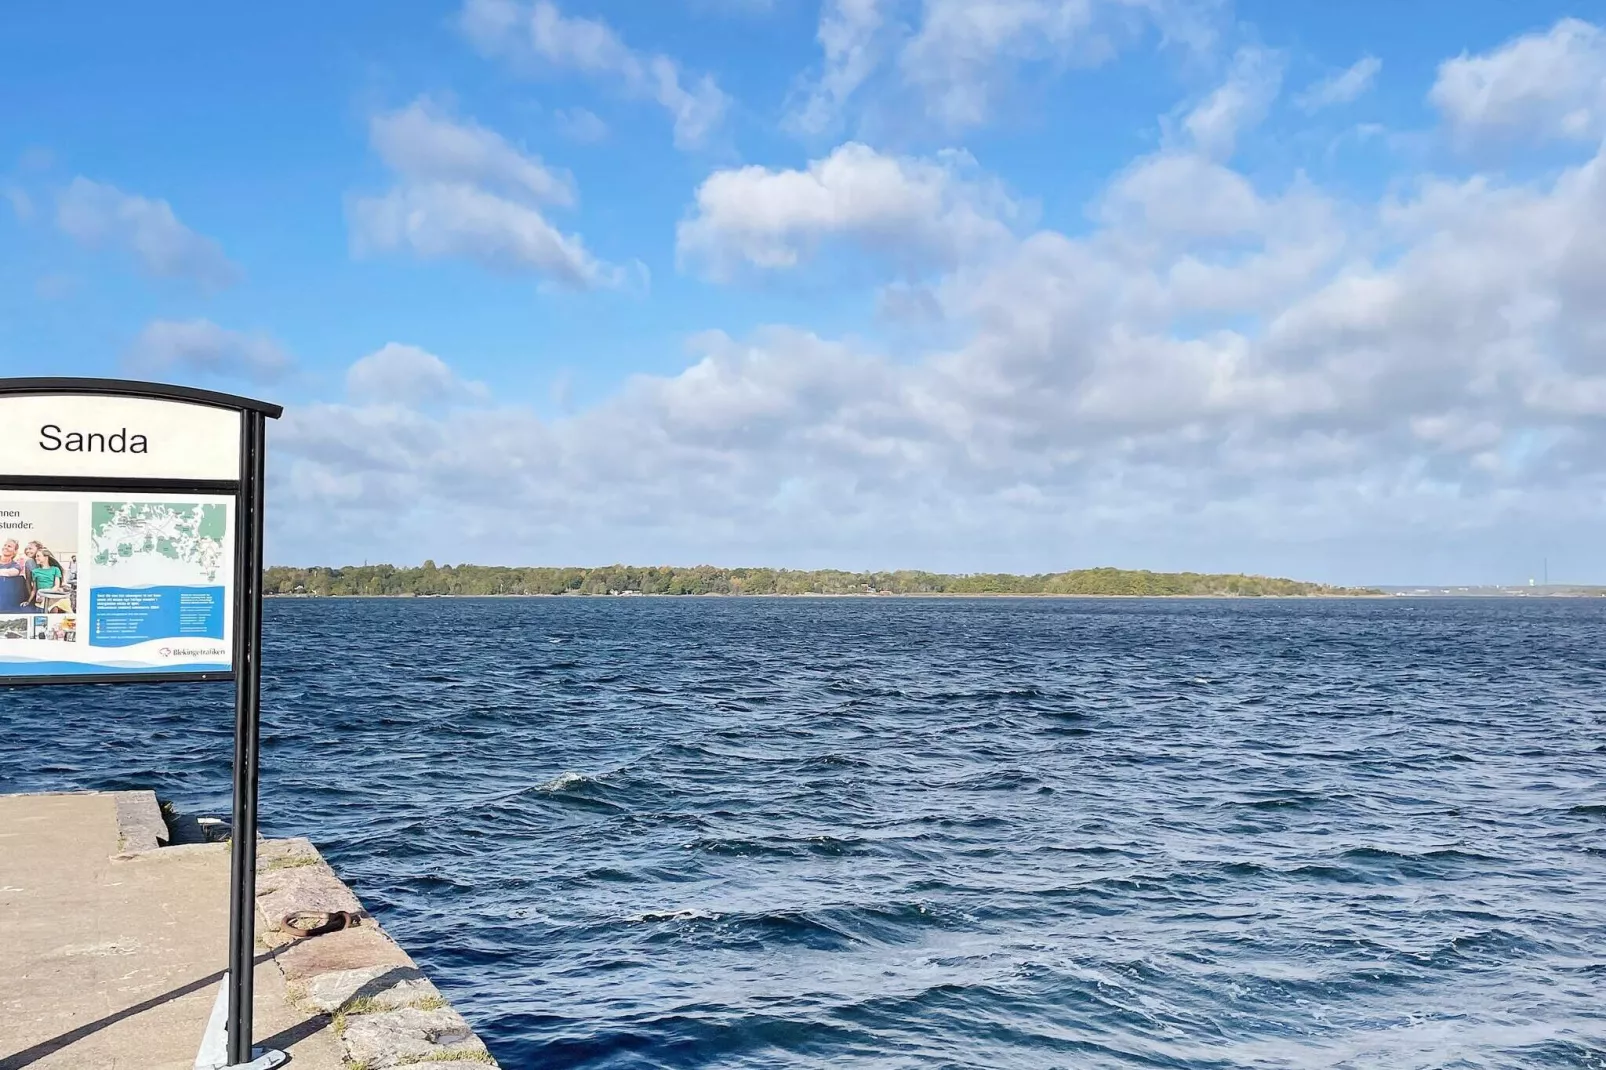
(481, 580)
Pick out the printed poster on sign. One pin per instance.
(113, 583)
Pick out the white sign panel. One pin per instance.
(117, 437)
(98, 583)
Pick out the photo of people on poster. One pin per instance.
(38, 557)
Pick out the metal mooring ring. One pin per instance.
(333, 921)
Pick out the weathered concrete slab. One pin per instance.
(380, 987)
(112, 948)
(115, 963)
(394, 1038)
(349, 949)
(140, 826)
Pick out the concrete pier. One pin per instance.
(112, 947)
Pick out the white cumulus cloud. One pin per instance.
(408, 375)
(1540, 86)
(424, 143)
(912, 210)
(463, 192)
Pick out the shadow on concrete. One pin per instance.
(302, 1030)
(29, 1056)
(289, 1038)
(373, 987)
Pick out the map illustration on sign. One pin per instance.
(143, 544)
(159, 571)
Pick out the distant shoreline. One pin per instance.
(709, 581)
(1515, 594)
(861, 597)
(677, 581)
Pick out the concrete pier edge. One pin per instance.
(140, 825)
(383, 1008)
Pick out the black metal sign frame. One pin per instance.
(247, 492)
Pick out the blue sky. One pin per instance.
(957, 284)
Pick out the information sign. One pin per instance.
(131, 551)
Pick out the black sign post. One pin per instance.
(140, 486)
(247, 736)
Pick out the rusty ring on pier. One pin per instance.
(333, 921)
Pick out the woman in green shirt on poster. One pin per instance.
(46, 572)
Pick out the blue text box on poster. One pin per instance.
(123, 616)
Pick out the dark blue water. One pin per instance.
(908, 833)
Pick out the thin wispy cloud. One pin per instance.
(1344, 87)
(848, 34)
(201, 349)
(99, 215)
(538, 38)
(1238, 103)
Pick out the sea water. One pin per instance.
(934, 833)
